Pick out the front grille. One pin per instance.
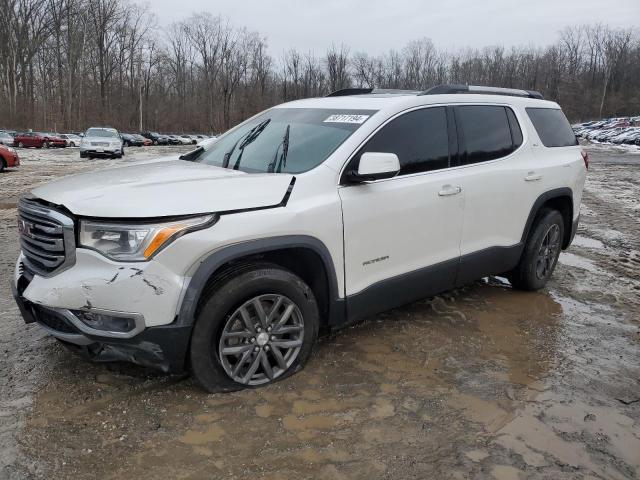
(53, 320)
(99, 144)
(46, 238)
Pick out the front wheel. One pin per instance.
(45, 144)
(20, 145)
(541, 252)
(255, 328)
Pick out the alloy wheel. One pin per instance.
(548, 252)
(261, 339)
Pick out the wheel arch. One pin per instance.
(305, 256)
(560, 199)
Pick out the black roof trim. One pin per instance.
(344, 92)
(376, 91)
(450, 89)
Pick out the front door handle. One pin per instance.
(448, 190)
(532, 177)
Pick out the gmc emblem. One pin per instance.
(24, 228)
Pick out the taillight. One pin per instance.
(585, 158)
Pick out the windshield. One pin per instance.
(306, 136)
(102, 132)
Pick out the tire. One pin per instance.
(541, 252)
(45, 144)
(239, 290)
(2, 164)
(20, 145)
(126, 144)
(155, 142)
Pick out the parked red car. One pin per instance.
(8, 158)
(38, 140)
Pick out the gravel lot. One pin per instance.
(480, 382)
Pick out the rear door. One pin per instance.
(500, 185)
(402, 235)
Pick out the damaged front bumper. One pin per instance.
(88, 308)
(163, 347)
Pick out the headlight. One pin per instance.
(137, 241)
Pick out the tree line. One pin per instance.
(69, 64)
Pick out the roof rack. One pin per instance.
(363, 91)
(513, 92)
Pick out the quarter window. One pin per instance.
(552, 126)
(485, 132)
(419, 139)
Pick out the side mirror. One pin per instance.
(375, 166)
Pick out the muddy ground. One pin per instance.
(481, 382)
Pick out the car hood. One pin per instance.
(162, 189)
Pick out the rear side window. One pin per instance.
(485, 133)
(552, 126)
(419, 139)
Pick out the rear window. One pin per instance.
(552, 126)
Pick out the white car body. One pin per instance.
(71, 139)
(100, 145)
(469, 215)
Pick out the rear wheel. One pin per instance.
(541, 252)
(255, 328)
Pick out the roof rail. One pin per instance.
(363, 91)
(514, 92)
(343, 92)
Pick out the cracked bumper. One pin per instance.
(149, 292)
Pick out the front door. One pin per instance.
(402, 235)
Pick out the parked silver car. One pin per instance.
(6, 139)
(101, 142)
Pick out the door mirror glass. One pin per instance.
(376, 166)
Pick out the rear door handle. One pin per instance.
(532, 177)
(448, 190)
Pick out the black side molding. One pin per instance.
(542, 199)
(209, 265)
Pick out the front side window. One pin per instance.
(552, 127)
(485, 133)
(291, 140)
(419, 139)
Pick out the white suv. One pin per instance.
(305, 218)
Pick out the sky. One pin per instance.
(376, 26)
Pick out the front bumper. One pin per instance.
(99, 151)
(161, 347)
(149, 293)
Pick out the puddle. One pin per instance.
(576, 261)
(587, 242)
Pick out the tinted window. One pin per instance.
(485, 131)
(418, 138)
(552, 126)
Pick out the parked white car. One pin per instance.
(6, 139)
(311, 215)
(101, 142)
(71, 139)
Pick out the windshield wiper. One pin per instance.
(282, 161)
(192, 155)
(245, 139)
